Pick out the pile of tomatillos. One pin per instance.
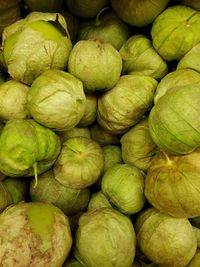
(100, 133)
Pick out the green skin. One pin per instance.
(65, 135)
(43, 221)
(17, 189)
(195, 260)
(46, 37)
(175, 32)
(180, 241)
(44, 6)
(103, 137)
(27, 148)
(86, 9)
(126, 103)
(112, 154)
(13, 100)
(69, 200)
(190, 60)
(179, 77)
(79, 164)
(90, 112)
(98, 200)
(138, 12)
(46, 28)
(56, 100)
(137, 146)
(113, 243)
(172, 184)
(170, 122)
(123, 185)
(73, 263)
(107, 28)
(192, 3)
(138, 55)
(88, 61)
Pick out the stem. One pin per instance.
(97, 20)
(167, 157)
(35, 174)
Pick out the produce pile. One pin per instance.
(100, 133)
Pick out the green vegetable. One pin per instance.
(98, 65)
(138, 12)
(172, 184)
(79, 164)
(175, 32)
(123, 185)
(179, 77)
(126, 103)
(138, 55)
(40, 232)
(190, 60)
(174, 121)
(69, 200)
(106, 27)
(27, 148)
(13, 100)
(47, 45)
(65, 135)
(102, 136)
(112, 155)
(105, 237)
(44, 6)
(90, 112)
(138, 148)
(98, 200)
(177, 245)
(56, 100)
(86, 9)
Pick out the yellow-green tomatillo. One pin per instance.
(40, 232)
(40, 39)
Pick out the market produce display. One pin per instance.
(100, 133)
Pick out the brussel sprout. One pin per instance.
(98, 65)
(34, 234)
(138, 147)
(5, 197)
(80, 163)
(105, 237)
(56, 100)
(172, 184)
(13, 101)
(175, 31)
(174, 122)
(34, 44)
(69, 200)
(126, 103)
(138, 55)
(177, 245)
